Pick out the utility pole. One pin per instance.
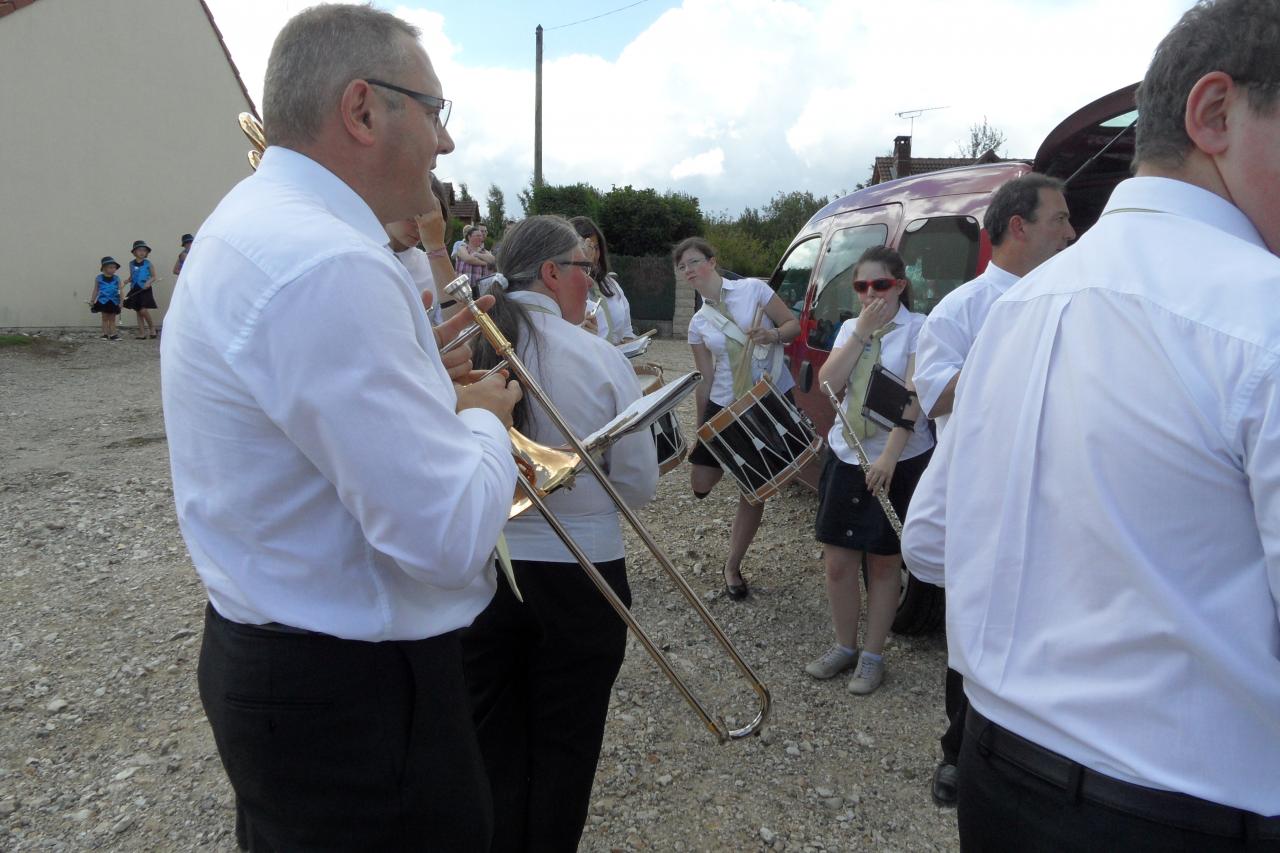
(537, 118)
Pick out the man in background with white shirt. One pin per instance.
(1106, 498)
(340, 498)
(1027, 223)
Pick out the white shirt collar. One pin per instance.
(998, 277)
(287, 165)
(903, 317)
(1180, 198)
(532, 297)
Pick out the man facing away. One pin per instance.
(340, 498)
(1027, 223)
(1106, 498)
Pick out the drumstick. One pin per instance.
(746, 352)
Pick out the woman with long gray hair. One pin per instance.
(540, 673)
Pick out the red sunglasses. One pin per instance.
(879, 285)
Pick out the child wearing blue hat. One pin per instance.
(140, 297)
(106, 297)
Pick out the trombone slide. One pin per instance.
(863, 461)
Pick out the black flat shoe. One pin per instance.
(738, 591)
(945, 780)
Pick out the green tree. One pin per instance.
(565, 200)
(636, 222)
(738, 250)
(982, 138)
(464, 194)
(496, 213)
(686, 214)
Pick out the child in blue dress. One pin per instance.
(141, 297)
(106, 297)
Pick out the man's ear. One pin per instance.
(1017, 227)
(357, 110)
(550, 275)
(1208, 105)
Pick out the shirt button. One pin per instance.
(848, 533)
(856, 501)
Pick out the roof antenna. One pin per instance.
(912, 115)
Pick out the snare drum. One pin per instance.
(761, 440)
(668, 439)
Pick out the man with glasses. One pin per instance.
(1027, 223)
(339, 495)
(1106, 498)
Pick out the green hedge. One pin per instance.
(650, 285)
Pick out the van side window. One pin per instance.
(835, 302)
(941, 254)
(791, 279)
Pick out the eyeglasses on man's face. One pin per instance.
(685, 266)
(585, 266)
(440, 107)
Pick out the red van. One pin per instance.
(934, 220)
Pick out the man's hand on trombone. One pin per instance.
(496, 393)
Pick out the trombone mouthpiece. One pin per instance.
(460, 289)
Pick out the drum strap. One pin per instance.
(764, 359)
(859, 379)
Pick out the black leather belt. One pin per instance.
(1166, 807)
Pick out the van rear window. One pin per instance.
(941, 254)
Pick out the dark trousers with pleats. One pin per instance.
(956, 703)
(540, 675)
(1031, 800)
(339, 745)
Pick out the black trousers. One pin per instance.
(540, 675)
(956, 703)
(343, 745)
(1021, 798)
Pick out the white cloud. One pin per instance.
(707, 164)
(736, 100)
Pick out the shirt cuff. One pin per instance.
(485, 422)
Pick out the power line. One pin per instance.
(597, 17)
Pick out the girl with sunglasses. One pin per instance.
(851, 522)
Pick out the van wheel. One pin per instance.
(922, 607)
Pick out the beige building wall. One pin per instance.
(119, 124)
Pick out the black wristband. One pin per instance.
(905, 424)
(448, 303)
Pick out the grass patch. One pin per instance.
(15, 341)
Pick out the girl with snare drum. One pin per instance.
(735, 314)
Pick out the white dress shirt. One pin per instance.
(419, 266)
(321, 476)
(1106, 502)
(589, 382)
(949, 331)
(614, 317)
(739, 298)
(896, 348)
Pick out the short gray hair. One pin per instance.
(321, 50)
(1019, 197)
(1237, 37)
(530, 243)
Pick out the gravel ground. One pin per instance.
(103, 743)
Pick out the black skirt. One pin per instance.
(139, 298)
(105, 308)
(851, 517)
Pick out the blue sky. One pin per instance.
(501, 33)
(733, 101)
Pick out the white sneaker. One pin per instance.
(867, 677)
(831, 663)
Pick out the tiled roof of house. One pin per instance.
(8, 7)
(884, 168)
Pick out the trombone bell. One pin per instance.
(546, 469)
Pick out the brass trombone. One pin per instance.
(582, 457)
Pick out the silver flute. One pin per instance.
(863, 461)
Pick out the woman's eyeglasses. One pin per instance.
(690, 264)
(879, 285)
